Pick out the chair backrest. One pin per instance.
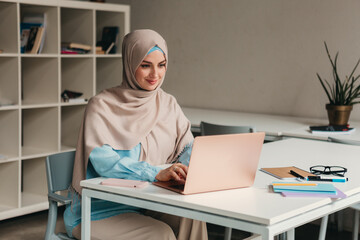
(59, 170)
(215, 129)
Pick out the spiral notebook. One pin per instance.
(284, 172)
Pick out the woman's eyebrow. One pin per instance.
(144, 61)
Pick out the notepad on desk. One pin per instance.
(284, 172)
(296, 189)
(313, 188)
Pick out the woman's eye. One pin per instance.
(145, 65)
(162, 65)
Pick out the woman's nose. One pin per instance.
(154, 72)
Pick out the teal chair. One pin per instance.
(217, 129)
(59, 170)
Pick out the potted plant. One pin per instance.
(342, 94)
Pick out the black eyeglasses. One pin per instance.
(334, 170)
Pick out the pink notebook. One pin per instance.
(221, 162)
(124, 183)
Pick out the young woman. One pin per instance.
(127, 131)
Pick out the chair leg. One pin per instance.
(227, 235)
(356, 225)
(323, 227)
(52, 217)
(340, 221)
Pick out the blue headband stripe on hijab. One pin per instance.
(156, 48)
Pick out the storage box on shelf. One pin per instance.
(34, 120)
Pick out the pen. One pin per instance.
(296, 174)
(324, 179)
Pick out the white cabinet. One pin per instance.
(34, 120)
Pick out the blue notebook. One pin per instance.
(318, 188)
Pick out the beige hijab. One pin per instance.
(125, 116)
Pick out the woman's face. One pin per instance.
(151, 70)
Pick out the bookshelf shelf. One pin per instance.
(108, 73)
(39, 80)
(9, 193)
(71, 117)
(34, 120)
(76, 75)
(9, 127)
(33, 182)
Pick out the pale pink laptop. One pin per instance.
(221, 162)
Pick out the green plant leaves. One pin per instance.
(341, 92)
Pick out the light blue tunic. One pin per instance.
(108, 162)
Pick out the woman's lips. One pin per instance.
(152, 82)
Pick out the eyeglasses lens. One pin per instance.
(334, 170)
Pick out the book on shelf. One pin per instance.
(75, 45)
(332, 129)
(28, 22)
(31, 39)
(112, 45)
(99, 50)
(34, 41)
(73, 51)
(109, 39)
(25, 34)
(74, 48)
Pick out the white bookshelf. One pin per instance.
(35, 122)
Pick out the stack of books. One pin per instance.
(74, 48)
(32, 30)
(99, 50)
(307, 189)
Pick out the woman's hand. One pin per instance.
(177, 172)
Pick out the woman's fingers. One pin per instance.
(180, 170)
(176, 172)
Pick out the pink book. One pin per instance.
(124, 183)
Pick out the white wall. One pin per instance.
(253, 55)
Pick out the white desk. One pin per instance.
(252, 209)
(303, 132)
(272, 125)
